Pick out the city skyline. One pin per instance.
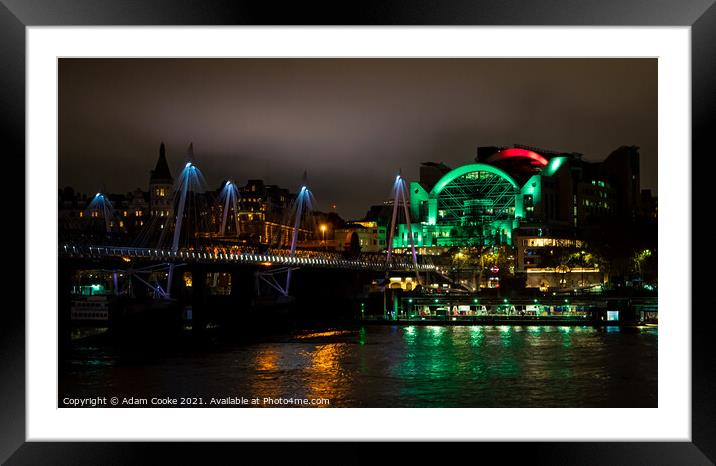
(517, 252)
(272, 119)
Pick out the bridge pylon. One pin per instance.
(399, 189)
(398, 192)
(302, 204)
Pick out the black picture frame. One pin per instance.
(700, 15)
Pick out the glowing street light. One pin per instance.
(323, 230)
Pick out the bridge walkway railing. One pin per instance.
(221, 256)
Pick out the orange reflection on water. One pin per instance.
(266, 360)
(329, 333)
(267, 382)
(326, 374)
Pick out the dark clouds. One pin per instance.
(352, 123)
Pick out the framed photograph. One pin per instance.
(467, 222)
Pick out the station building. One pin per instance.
(518, 191)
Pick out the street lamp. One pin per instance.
(323, 230)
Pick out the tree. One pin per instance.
(640, 260)
(477, 259)
(354, 248)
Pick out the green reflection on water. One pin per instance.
(362, 336)
(477, 336)
(566, 337)
(534, 330)
(505, 335)
(435, 334)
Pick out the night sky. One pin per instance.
(351, 123)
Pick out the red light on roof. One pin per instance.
(516, 152)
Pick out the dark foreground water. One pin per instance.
(387, 366)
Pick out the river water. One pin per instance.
(387, 366)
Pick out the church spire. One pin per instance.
(161, 173)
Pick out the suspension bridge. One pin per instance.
(179, 240)
(215, 256)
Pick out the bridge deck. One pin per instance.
(166, 255)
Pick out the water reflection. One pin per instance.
(266, 360)
(566, 338)
(362, 336)
(327, 376)
(264, 383)
(477, 336)
(315, 335)
(399, 366)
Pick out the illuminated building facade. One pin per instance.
(127, 215)
(264, 213)
(370, 236)
(132, 210)
(264, 216)
(533, 251)
(481, 203)
(518, 190)
(557, 263)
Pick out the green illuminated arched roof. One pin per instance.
(470, 168)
